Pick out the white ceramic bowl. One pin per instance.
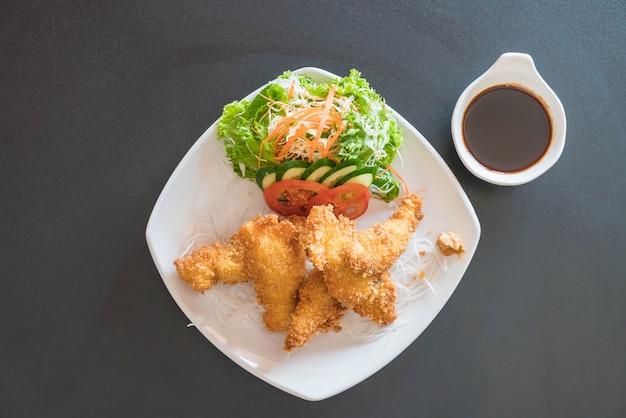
(511, 68)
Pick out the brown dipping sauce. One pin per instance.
(507, 128)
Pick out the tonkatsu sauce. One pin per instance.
(507, 128)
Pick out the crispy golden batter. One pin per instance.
(298, 221)
(266, 251)
(326, 237)
(276, 261)
(317, 311)
(207, 265)
(375, 249)
(373, 297)
(351, 268)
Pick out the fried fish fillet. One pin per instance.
(375, 249)
(351, 268)
(275, 259)
(373, 297)
(316, 311)
(326, 237)
(266, 251)
(207, 265)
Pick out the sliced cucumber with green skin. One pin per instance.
(291, 170)
(266, 176)
(317, 169)
(332, 176)
(363, 175)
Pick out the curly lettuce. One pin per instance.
(371, 132)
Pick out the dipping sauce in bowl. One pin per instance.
(507, 128)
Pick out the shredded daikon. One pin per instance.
(229, 305)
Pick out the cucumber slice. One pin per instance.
(317, 170)
(266, 176)
(364, 176)
(332, 176)
(291, 170)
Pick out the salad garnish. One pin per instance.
(297, 126)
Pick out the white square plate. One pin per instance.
(205, 201)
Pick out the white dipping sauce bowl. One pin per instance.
(517, 69)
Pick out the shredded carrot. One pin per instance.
(395, 173)
(260, 158)
(333, 138)
(325, 111)
(292, 90)
(271, 103)
(269, 109)
(299, 134)
(291, 135)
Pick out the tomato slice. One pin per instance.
(292, 197)
(350, 199)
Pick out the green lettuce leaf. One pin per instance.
(371, 135)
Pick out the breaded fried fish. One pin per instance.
(207, 265)
(316, 311)
(375, 249)
(266, 251)
(275, 259)
(326, 237)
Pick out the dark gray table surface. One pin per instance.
(100, 101)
